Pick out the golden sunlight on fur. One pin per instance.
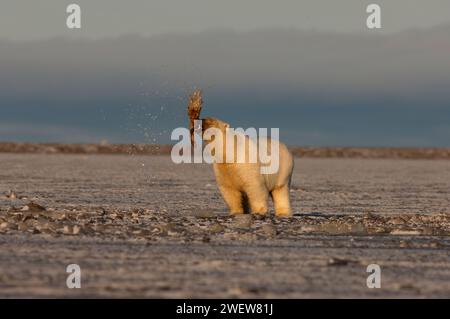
(244, 188)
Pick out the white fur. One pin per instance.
(243, 186)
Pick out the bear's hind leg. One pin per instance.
(281, 203)
(233, 198)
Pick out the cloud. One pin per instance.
(407, 64)
(281, 76)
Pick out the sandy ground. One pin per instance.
(140, 226)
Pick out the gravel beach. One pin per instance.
(141, 226)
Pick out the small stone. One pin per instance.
(76, 229)
(308, 229)
(167, 227)
(134, 215)
(245, 236)
(100, 228)
(358, 228)
(144, 233)
(33, 207)
(206, 239)
(204, 214)
(338, 262)
(11, 194)
(45, 230)
(88, 230)
(172, 233)
(269, 230)
(408, 286)
(242, 220)
(397, 221)
(404, 244)
(6, 225)
(404, 232)
(428, 231)
(377, 230)
(216, 228)
(22, 226)
(261, 216)
(436, 245)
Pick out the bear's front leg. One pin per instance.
(233, 198)
(281, 202)
(257, 198)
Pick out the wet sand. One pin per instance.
(140, 226)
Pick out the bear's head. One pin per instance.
(215, 130)
(210, 122)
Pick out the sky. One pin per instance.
(311, 68)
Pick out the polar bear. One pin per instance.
(243, 186)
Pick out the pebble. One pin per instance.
(67, 229)
(172, 233)
(11, 194)
(428, 231)
(397, 221)
(402, 232)
(33, 207)
(404, 244)
(22, 226)
(168, 229)
(6, 225)
(206, 239)
(76, 229)
(204, 214)
(339, 262)
(242, 220)
(216, 228)
(358, 228)
(269, 230)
